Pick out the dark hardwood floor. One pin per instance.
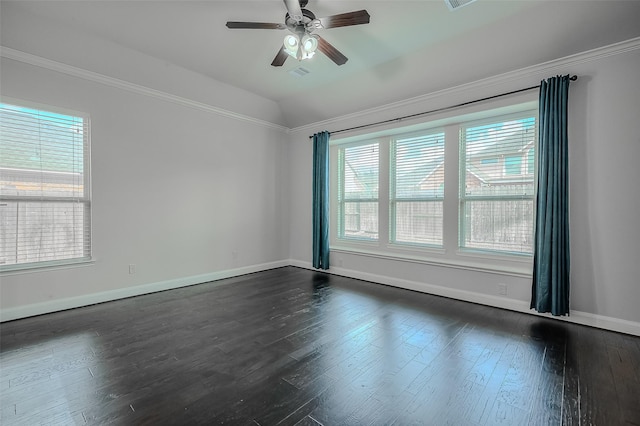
(292, 346)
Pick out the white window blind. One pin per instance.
(497, 184)
(417, 189)
(45, 205)
(358, 191)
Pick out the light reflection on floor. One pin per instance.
(374, 363)
(51, 377)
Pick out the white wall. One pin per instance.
(604, 129)
(46, 38)
(183, 193)
(188, 172)
(188, 194)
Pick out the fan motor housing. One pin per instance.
(292, 24)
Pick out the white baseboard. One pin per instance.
(107, 296)
(576, 317)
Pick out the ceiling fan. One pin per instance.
(301, 43)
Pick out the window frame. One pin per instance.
(450, 254)
(85, 199)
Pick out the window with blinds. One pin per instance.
(45, 205)
(497, 184)
(358, 191)
(389, 200)
(417, 189)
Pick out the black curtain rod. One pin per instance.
(572, 78)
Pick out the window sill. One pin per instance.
(49, 266)
(519, 266)
(525, 259)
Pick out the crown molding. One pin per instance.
(38, 61)
(531, 73)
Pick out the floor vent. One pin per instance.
(457, 4)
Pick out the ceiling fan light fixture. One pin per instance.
(309, 44)
(308, 47)
(291, 44)
(298, 48)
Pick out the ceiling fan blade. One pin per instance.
(332, 53)
(293, 7)
(278, 61)
(255, 25)
(342, 20)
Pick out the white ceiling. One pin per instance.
(410, 48)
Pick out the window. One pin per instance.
(417, 189)
(358, 192)
(45, 205)
(496, 201)
(457, 191)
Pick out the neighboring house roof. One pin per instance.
(478, 174)
(409, 184)
(432, 172)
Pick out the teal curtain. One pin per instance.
(551, 260)
(321, 200)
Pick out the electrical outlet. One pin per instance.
(502, 289)
(132, 269)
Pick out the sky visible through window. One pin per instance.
(478, 137)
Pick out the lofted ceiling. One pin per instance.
(409, 48)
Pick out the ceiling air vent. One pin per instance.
(299, 72)
(457, 4)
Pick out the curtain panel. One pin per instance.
(320, 215)
(551, 259)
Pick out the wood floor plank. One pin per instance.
(487, 397)
(523, 376)
(291, 346)
(624, 364)
(546, 404)
(597, 393)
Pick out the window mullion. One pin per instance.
(337, 173)
(384, 192)
(450, 207)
